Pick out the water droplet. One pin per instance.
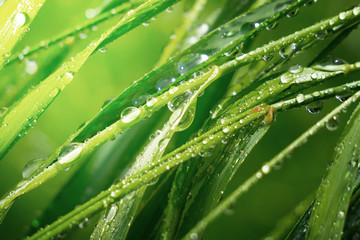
(314, 107)
(343, 97)
(309, 3)
(111, 214)
(342, 16)
(341, 214)
(145, 24)
(296, 69)
(107, 101)
(70, 152)
(31, 167)
(102, 50)
(271, 26)
(187, 118)
(163, 83)
(67, 77)
(207, 151)
(265, 169)
(321, 35)
(179, 101)
(188, 61)
(151, 101)
(82, 35)
(293, 13)
(194, 236)
(169, 9)
(20, 19)
(91, 13)
(333, 123)
(31, 67)
(286, 77)
(356, 11)
(129, 114)
(173, 90)
(300, 98)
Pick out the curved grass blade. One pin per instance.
(15, 18)
(31, 106)
(266, 168)
(333, 196)
(138, 114)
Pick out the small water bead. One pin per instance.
(163, 83)
(271, 26)
(173, 90)
(293, 13)
(111, 214)
(342, 16)
(265, 169)
(333, 123)
(341, 214)
(31, 67)
(91, 13)
(129, 114)
(31, 166)
(20, 19)
(194, 236)
(296, 69)
(169, 9)
(314, 107)
(70, 152)
(343, 97)
(356, 11)
(188, 61)
(309, 3)
(82, 35)
(107, 101)
(102, 50)
(145, 24)
(267, 57)
(331, 65)
(140, 100)
(179, 101)
(151, 101)
(202, 29)
(300, 98)
(286, 77)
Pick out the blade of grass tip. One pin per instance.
(98, 172)
(180, 155)
(333, 196)
(64, 37)
(265, 169)
(121, 214)
(15, 18)
(31, 106)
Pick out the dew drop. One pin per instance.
(20, 19)
(188, 61)
(293, 13)
(265, 169)
(300, 98)
(309, 3)
(341, 214)
(70, 152)
(187, 119)
(111, 214)
(31, 166)
(145, 24)
(179, 101)
(31, 67)
(129, 114)
(163, 83)
(314, 107)
(151, 101)
(102, 50)
(356, 11)
(194, 236)
(173, 90)
(91, 13)
(296, 69)
(169, 9)
(82, 35)
(333, 123)
(271, 26)
(107, 101)
(342, 16)
(286, 77)
(343, 97)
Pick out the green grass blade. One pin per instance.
(266, 168)
(15, 18)
(333, 196)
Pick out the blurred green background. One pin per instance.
(106, 75)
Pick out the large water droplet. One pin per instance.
(188, 61)
(111, 214)
(129, 114)
(333, 123)
(300, 98)
(31, 67)
(163, 83)
(91, 13)
(314, 107)
(31, 167)
(293, 13)
(187, 118)
(20, 19)
(179, 101)
(296, 69)
(70, 152)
